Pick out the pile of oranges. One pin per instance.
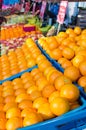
(12, 32)
(17, 31)
(69, 49)
(36, 96)
(16, 61)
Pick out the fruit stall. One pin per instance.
(42, 68)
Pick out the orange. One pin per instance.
(17, 86)
(26, 79)
(17, 81)
(13, 112)
(62, 34)
(41, 83)
(59, 106)
(40, 57)
(66, 42)
(1, 106)
(68, 53)
(52, 43)
(77, 60)
(8, 92)
(56, 54)
(61, 60)
(1, 99)
(53, 96)
(53, 76)
(14, 123)
(2, 115)
(9, 105)
(47, 90)
(19, 91)
(26, 74)
(72, 72)
(77, 30)
(70, 92)
(9, 98)
(38, 75)
(81, 51)
(38, 102)
(45, 111)
(33, 118)
(21, 97)
(34, 72)
(27, 111)
(43, 65)
(7, 83)
(66, 64)
(60, 81)
(82, 81)
(69, 30)
(3, 123)
(31, 62)
(72, 35)
(25, 104)
(48, 69)
(35, 94)
(29, 84)
(82, 68)
(31, 89)
(83, 43)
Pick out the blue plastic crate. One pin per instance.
(18, 75)
(72, 121)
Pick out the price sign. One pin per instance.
(43, 7)
(62, 12)
(34, 7)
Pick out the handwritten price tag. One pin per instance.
(62, 12)
(43, 7)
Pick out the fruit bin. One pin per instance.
(17, 75)
(58, 66)
(75, 121)
(64, 121)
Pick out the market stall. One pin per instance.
(42, 65)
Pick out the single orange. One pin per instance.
(45, 111)
(38, 102)
(29, 84)
(56, 54)
(66, 64)
(35, 94)
(13, 112)
(60, 81)
(59, 106)
(9, 98)
(70, 92)
(25, 104)
(47, 90)
(31, 89)
(3, 123)
(54, 95)
(9, 105)
(72, 72)
(14, 123)
(27, 111)
(82, 81)
(33, 118)
(82, 68)
(68, 53)
(21, 97)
